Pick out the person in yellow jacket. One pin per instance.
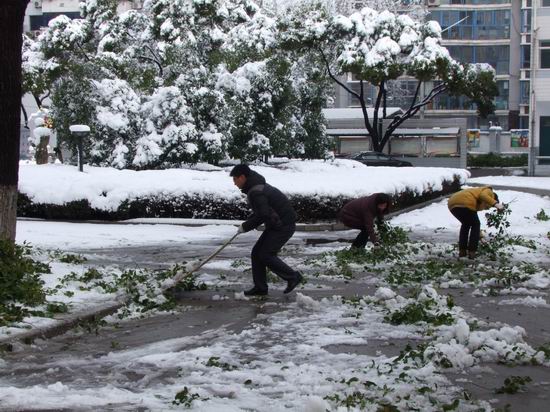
(464, 205)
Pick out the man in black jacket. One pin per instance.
(272, 208)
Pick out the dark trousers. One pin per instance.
(361, 239)
(469, 231)
(264, 255)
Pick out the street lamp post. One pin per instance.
(79, 131)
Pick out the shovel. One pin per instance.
(193, 266)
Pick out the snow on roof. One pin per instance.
(357, 113)
(446, 131)
(436, 131)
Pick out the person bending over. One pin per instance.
(361, 214)
(464, 205)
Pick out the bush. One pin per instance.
(20, 283)
(308, 208)
(496, 160)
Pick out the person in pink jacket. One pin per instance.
(361, 214)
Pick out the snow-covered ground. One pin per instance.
(83, 236)
(514, 181)
(107, 188)
(283, 360)
(523, 222)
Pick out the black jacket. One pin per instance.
(269, 205)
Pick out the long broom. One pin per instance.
(194, 265)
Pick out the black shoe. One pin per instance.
(293, 283)
(255, 292)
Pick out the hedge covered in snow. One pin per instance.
(317, 189)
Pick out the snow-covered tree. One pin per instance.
(276, 95)
(262, 110)
(115, 72)
(379, 47)
(189, 34)
(414, 8)
(170, 138)
(313, 87)
(38, 72)
(116, 122)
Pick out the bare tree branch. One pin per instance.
(333, 77)
(385, 104)
(366, 119)
(413, 110)
(25, 116)
(154, 61)
(375, 121)
(416, 92)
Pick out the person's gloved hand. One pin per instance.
(240, 229)
(499, 206)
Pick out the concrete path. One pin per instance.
(201, 315)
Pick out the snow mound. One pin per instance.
(384, 293)
(306, 302)
(315, 404)
(240, 296)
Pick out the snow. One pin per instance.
(68, 236)
(107, 188)
(79, 128)
(281, 379)
(524, 207)
(535, 302)
(514, 181)
(383, 293)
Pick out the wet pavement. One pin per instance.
(202, 314)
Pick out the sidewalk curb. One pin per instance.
(64, 324)
(69, 321)
(96, 313)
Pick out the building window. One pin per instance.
(545, 54)
(496, 56)
(501, 101)
(524, 92)
(526, 21)
(545, 3)
(525, 58)
(474, 24)
(369, 94)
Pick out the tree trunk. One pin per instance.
(8, 211)
(12, 13)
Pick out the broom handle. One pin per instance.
(214, 254)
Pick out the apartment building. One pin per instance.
(483, 31)
(536, 46)
(474, 31)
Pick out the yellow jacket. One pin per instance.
(477, 198)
